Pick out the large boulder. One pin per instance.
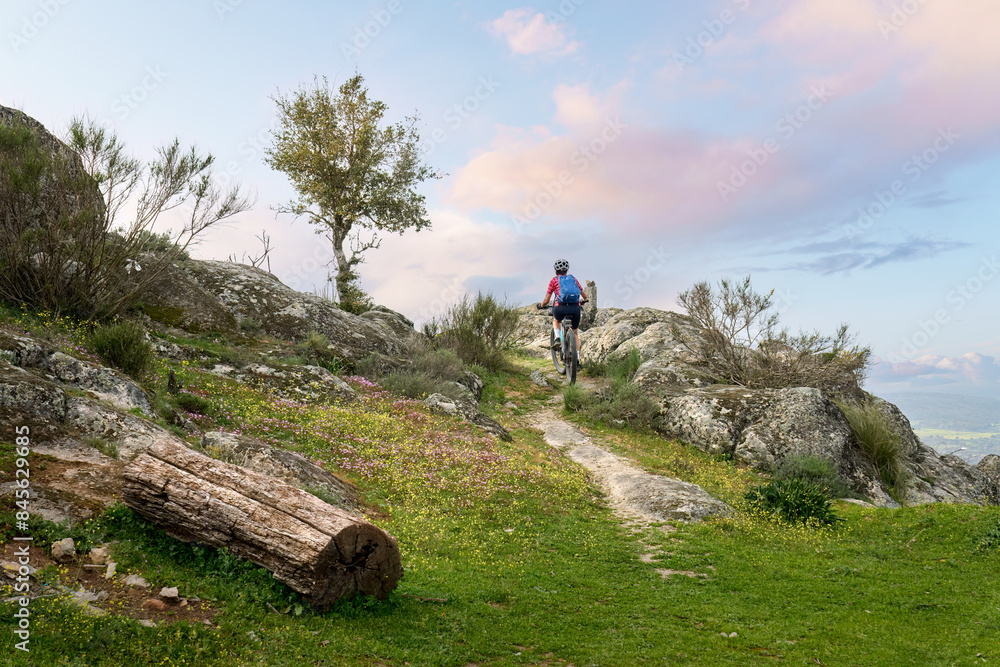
(989, 465)
(231, 293)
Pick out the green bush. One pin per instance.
(192, 403)
(124, 346)
(442, 364)
(480, 331)
(814, 470)
(878, 439)
(793, 501)
(990, 539)
(620, 370)
(623, 405)
(574, 397)
(250, 325)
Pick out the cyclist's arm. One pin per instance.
(583, 295)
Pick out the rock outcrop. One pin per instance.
(214, 295)
(760, 427)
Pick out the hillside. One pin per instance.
(512, 554)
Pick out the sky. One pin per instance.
(844, 154)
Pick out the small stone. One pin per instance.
(10, 569)
(110, 572)
(147, 623)
(169, 594)
(98, 555)
(64, 550)
(184, 603)
(102, 596)
(136, 580)
(155, 605)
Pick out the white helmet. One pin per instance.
(561, 265)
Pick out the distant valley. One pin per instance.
(966, 425)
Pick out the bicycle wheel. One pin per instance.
(570, 358)
(555, 352)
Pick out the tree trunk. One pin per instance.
(320, 551)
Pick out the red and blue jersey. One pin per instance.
(554, 289)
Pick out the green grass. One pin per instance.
(536, 570)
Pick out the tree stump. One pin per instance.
(320, 551)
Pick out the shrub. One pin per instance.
(880, 443)
(623, 405)
(990, 539)
(192, 403)
(480, 331)
(574, 397)
(60, 247)
(441, 364)
(739, 342)
(814, 470)
(123, 345)
(250, 325)
(371, 366)
(793, 501)
(620, 370)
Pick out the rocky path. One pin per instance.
(638, 497)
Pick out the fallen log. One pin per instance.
(318, 550)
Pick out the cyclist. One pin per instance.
(568, 306)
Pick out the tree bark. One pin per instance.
(318, 550)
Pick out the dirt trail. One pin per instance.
(638, 497)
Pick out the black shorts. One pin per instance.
(573, 312)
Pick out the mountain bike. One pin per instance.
(565, 358)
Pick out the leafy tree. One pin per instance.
(351, 173)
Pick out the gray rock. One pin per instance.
(295, 383)
(64, 551)
(468, 412)
(110, 572)
(170, 594)
(290, 467)
(244, 291)
(23, 394)
(98, 555)
(989, 465)
(136, 580)
(538, 378)
(107, 384)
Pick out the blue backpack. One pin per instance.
(569, 291)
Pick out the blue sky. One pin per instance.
(845, 154)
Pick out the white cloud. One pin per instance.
(530, 33)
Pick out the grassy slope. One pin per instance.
(536, 571)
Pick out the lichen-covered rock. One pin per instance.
(130, 434)
(294, 383)
(290, 467)
(29, 397)
(64, 551)
(248, 292)
(468, 411)
(105, 383)
(989, 465)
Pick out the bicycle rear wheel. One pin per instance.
(570, 358)
(555, 352)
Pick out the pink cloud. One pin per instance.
(970, 368)
(529, 33)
